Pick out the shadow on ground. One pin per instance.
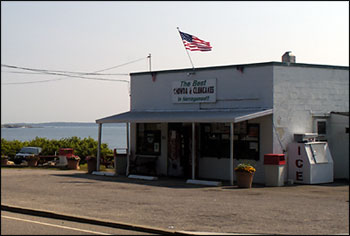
(166, 182)
(172, 182)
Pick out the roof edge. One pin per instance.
(272, 63)
(186, 116)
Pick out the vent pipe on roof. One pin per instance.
(288, 57)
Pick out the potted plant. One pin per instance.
(32, 160)
(4, 160)
(91, 163)
(244, 173)
(73, 162)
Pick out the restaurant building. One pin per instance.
(200, 123)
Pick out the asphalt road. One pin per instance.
(20, 224)
(172, 204)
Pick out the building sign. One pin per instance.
(194, 91)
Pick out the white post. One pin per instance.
(127, 149)
(99, 147)
(115, 161)
(231, 152)
(193, 150)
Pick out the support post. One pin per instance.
(115, 160)
(231, 152)
(99, 147)
(127, 150)
(193, 150)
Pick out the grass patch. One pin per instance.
(84, 167)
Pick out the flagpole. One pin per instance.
(149, 57)
(186, 49)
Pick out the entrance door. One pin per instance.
(179, 150)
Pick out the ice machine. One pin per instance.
(309, 161)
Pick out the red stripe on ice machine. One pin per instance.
(309, 161)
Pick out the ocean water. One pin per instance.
(112, 134)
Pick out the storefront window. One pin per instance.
(148, 139)
(215, 140)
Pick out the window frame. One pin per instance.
(145, 132)
(246, 139)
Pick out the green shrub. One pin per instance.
(10, 148)
(82, 147)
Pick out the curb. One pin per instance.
(113, 224)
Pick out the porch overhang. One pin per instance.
(202, 116)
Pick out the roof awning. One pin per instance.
(206, 116)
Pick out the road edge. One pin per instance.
(86, 220)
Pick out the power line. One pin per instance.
(71, 76)
(40, 73)
(122, 64)
(33, 82)
(71, 72)
(67, 73)
(82, 77)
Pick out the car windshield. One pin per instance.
(31, 150)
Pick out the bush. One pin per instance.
(10, 148)
(82, 147)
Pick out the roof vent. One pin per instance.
(288, 57)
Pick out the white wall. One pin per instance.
(339, 145)
(294, 93)
(301, 91)
(250, 89)
(214, 168)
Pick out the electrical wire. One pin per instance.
(122, 64)
(82, 77)
(33, 82)
(71, 76)
(38, 73)
(67, 73)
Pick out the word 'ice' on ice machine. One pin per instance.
(309, 161)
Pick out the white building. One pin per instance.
(233, 113)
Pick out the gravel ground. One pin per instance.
(173, 204)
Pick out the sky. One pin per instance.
(90, 36)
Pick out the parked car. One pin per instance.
(25, 152)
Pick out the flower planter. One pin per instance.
(92, 164)
(73, 164)
(244, 179)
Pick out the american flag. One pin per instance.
(193, 43)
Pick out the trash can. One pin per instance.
(91, 163)
(120, 160)
(275, 169)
